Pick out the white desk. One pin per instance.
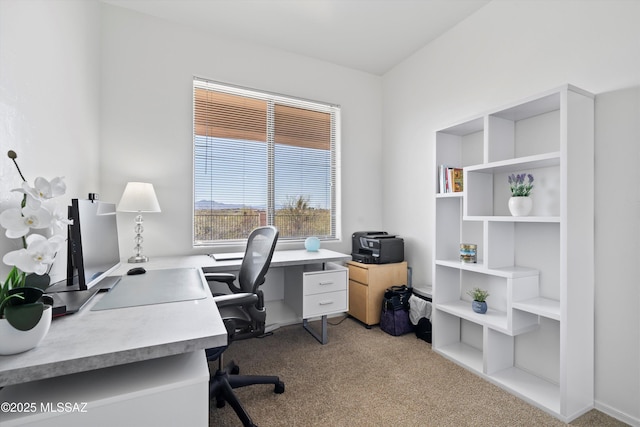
(116, 357)
(294, 291)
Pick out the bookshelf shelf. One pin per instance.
(545, 307)
(449, 195)
(514, 165)
(492, 318)
(506, 272)
(504, 218)
(464, 355)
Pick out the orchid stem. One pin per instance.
(19, 171)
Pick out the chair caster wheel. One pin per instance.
(279, 388)
(220, 403)
(235, 370)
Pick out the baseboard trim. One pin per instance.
(621, 416)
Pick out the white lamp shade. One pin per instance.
(139, 197)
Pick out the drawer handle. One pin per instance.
(325, 302)
(325, 283)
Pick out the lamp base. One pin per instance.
(138, 258)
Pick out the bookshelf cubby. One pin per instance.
(536, 340)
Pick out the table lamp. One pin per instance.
(138, 197)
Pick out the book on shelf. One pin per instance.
(450, 179)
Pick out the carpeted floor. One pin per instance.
(365, 377)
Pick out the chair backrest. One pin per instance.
(257, 257)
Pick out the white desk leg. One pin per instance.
(321, 338)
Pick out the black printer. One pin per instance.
(376, 247)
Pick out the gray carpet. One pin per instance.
(365, 377)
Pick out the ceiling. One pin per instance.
(367, 35)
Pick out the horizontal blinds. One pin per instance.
(224, 115)
(219, 162)
(302, 128)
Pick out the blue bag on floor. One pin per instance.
(394, 318)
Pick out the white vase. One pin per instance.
(520, 206)
(13, 341)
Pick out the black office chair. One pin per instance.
(244, 316)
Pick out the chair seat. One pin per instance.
(237, 314)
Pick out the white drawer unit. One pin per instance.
(321, 293)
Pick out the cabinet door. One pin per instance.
(359, 273)
(358, 296)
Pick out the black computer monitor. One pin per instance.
(93, 250)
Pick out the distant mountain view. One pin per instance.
(213, 205)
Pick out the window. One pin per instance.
(262, 159)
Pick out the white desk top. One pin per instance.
(283, 259)
(280, 259)
(90, 340)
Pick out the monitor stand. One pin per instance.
(62, 286)
(105, 284)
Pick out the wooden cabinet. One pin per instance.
(537, 339)
(367, 283)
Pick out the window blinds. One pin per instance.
(223, 115)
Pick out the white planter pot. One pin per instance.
(520, 206)
(13, 341)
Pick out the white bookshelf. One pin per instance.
(536, 339)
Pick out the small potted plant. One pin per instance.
(520, 203)
(479, 304)
(25, 313)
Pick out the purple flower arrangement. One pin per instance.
(520, 187)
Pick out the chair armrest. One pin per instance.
(244, 298)
(227, 278)
(220, 277)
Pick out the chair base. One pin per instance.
(222, 383)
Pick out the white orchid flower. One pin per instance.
(19, 222)
(48, 190)
(38, 256)
(42, 190)
(59, 216)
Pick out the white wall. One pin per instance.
(147, 127)
(504, 52)
(49, 99)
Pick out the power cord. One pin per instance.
(341, 320)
